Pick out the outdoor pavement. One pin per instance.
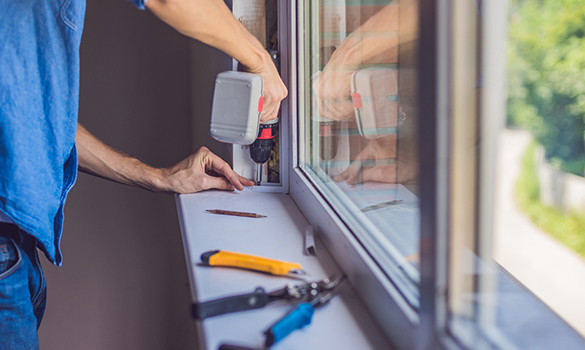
(550, 270)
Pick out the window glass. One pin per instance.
(358, 137)
(517, 155)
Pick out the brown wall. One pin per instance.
(124, 284)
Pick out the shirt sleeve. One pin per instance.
(140, 3)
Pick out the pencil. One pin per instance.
(235, 213)
(382, 205)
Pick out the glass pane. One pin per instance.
(359, 141)
(517, 196)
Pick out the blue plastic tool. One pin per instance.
(296, 319)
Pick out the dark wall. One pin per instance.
(124, 283)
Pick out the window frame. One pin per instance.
(403, 326)
(406, 328)
(435, 91)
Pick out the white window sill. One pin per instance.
(344, 323)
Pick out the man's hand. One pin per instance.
(211, 22)
(372, 43)
(379, 151)
(202, 170)
(274, 91)
(333, 90)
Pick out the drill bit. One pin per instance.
(258, 174)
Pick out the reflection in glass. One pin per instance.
(360, 122)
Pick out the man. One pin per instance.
(41, 144)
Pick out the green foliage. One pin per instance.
(568, 229)
(546, 76)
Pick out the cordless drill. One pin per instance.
(234, 119)
(261, 148)
(235, 114)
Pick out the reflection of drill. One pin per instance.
(328, 129)
(328, 138)
(261, 148)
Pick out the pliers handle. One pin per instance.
(259, 298)
(302, 315)
(296, 319)
(249, 301)
(255, 300)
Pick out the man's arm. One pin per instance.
(201, 171)
(333, 85)
(211, 22)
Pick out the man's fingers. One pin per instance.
(273, 95)
(351, 174)
(269, 113)
(384, 173)
(220, 183)
(353, 178)
(246, 182)
(274, 92)
(341, 109)
(222, 168)
(347, 175)
(343, 176)
(201, 171)
(333, 89)
(336, 109)
(347, 110)
(328, 111)
(378, 174)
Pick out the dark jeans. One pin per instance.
(23, 292)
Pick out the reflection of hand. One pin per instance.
(202, 170)
(377, 173)
(372, 43)
(274, 90)
(333, 89)
(376, 150)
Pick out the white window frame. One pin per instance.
(397, 319)
(405, 328)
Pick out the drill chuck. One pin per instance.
(260, 149)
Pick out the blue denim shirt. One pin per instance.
(39, 95)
